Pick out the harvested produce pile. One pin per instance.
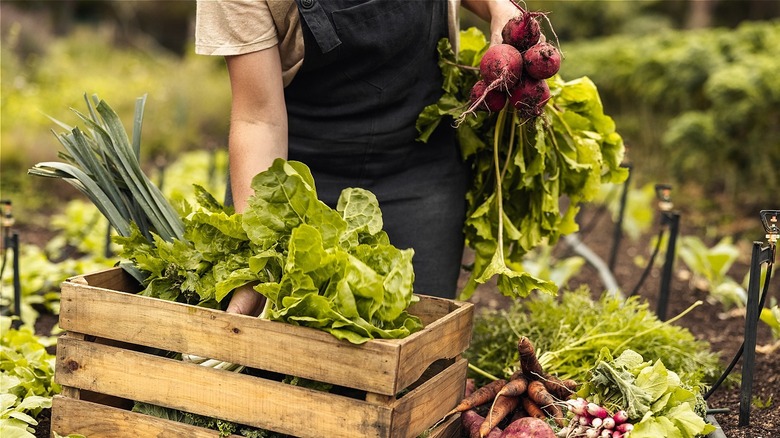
(538, 146)
(518, 406)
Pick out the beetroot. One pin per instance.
(529, 97)
(501, 66)
(522, 31)
(528, 427)
(492, 101)
(542, 60)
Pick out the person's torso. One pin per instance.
(369, 69)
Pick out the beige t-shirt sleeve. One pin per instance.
(235, 27)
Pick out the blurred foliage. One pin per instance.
(187, 109)
(697, 107)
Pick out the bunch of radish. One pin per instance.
(593, 421)
(513, 73)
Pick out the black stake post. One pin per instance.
(13, 244)
(617, 234)
(672, 220)
(760, 256)
(11, 241)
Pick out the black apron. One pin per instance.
(369, 69)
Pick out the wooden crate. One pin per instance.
(388, 388)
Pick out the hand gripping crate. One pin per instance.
(390, 388)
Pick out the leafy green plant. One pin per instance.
(710, 267)
(639, 213)
(569, 333)
(541, 263)
(27, 379)
(696, 106)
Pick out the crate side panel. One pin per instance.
(191, 388)
(430, 402)
(262, 344)
(112, 278)
(446, 338)
(451, 428)
(95, 420)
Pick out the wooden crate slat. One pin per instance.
(446, 338)
(95, 420)
(214, 393)
(431, 400)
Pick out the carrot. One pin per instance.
(501, 408)
(472, 421)
(480, 396)
(532, 408)
(539, 395)
(528, 360)
(561, 389)
(516, 386)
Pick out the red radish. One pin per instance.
(492, 101)
(620, 417)
(542, 61)
(529, 97)
(522, 31)
(501, 66)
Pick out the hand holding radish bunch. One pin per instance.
(515, 70)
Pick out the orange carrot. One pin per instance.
(515, 386)
(532, 408)
(560, 389)
(480, 396)
(539, 395)
(528, 360)
(501, 408)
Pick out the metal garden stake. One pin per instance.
(755, 302)
(671, 219)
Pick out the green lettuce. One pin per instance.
(330, 269)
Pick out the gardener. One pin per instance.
(338, 85)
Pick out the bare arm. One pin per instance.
(258, 119)
(495, 12)
(258, 135)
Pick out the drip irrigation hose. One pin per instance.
(610, 284)
(650, 263)
(738, 355)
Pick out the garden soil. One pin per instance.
(723, 330)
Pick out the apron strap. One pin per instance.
(319, 24)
